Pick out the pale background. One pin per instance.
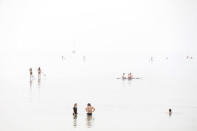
(114, 36)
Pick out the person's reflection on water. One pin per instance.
(30, 83)
(39, 72)
(30, 95)
(89, 121)
(89, 109)
(75, 120)
(31, 73)
(170, 112)
(39, 82)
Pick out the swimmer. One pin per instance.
(170, 111)
(39, 72)
(151, 59)
(84, 58)
(75, 109)
(130, 76)
(123, 76)
(89, 109)
(31, 72)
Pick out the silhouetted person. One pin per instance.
(39, 72)
(170, 111)
(31, 72)
(75, 110)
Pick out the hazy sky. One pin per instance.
(102, 26)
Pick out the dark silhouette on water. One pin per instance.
(39, 73)
(30, 83)
(75, 115)
(170, 111)
(31, 73)
(75, 121)
(75, 110)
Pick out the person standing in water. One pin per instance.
(130, 76)
(123, 76)
(89, 109)
(170, 112)
(75, 109)
(31, 72)
(39, 72)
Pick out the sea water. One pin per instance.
(137, 104)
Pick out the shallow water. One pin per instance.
(138, 104)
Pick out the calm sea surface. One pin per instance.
(138, 104)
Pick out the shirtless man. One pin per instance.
(130, 76)
(89, 109)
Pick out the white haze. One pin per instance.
(99, 40)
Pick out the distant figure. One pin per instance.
(31, 72)
(39, 73)
(90, 109)
(75, 110)
(84, 58)
(123, 76)
(187, 57)
(89, 121)
(170, 111)
(30, 83)
(130, 76)
(75, 121)
(151, 59)
(39, 82)
(73, 51)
